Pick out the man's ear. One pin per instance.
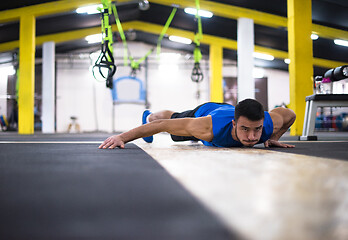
(233, 123)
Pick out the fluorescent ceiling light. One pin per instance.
(180, 39)
(91, 9)
(287, 60)
(314, 36)
(201, 13)
(341, 42)
(263, 56)
(95, 38)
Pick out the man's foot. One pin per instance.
(144, 121)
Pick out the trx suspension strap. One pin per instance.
(123, 37)
(105, 62)
(136, 64)
(197, 75)
(164, 30)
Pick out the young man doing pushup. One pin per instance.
(214, 124)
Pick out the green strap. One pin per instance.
(135, 64)
(164, 30)
(102, 28)
(105, 25)
(197, 55)
(199, 34)
(123, 37)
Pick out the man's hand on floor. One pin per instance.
(112, 142)
(274, 143)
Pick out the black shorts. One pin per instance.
(185, 114)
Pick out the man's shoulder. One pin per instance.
(224, 111)
(212, 108)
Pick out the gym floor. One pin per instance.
(63, 187)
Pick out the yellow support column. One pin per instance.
(215, 62)
(26, 75)
(301, 58)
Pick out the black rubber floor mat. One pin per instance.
(334, 150)
(76, 191)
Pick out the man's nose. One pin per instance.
(251, 135)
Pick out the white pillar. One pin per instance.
(3, 90)
(245, 44)
(48, 87)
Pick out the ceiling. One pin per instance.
(330, 13)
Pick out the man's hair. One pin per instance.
(249, 108)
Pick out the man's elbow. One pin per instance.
(291, 116)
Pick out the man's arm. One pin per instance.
(282, 119)
(200, 128)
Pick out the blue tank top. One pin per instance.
(222, 116)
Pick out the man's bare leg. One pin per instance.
(149, 117)
(165, 114)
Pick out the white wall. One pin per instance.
(278, 87)
(278, 83)
(169, 87)
(3, 93)
(75, 97)
(5, 71)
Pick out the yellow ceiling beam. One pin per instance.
(50, 8)
(219, 9)
(330, 33)
(228, 11)
(67, 36)
(266, 19)
(274, 52)
(9, 46)
(156, 29)
(224, 42)
(56, 37)
(44, 9)
(325, 63)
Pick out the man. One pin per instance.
(214, 124)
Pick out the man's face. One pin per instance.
(248, 132)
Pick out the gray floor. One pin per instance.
(251, 193)
(59, 187)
